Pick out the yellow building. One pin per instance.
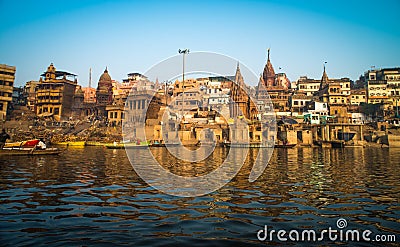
(7, 77)
(358, 96)
(55, 93)
(308, 86)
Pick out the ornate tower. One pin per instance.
(324, 79)
(104, 89)
(269, 73)
(240, 98)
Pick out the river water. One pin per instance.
(92, 196)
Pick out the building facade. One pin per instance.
(55, 94)
(7, 77)
(30, 94)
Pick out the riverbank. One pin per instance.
(25, 125)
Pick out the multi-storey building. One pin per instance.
(392, 77)
(335, 92)
(298, 102)
(189, 100)
(55, 93)
(7, 77)
(18, 97)
(89, 95)
(30, 94)
(357, 96)
(308, 86)
(383, 87)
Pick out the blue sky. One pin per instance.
(131, 36)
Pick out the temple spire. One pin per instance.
(269, 73)
(324, 79)
(238, 76)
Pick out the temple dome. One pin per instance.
(105, 76)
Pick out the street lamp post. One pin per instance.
(183, 52)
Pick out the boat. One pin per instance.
(26, 144)
(157, 144)
(248, 145)
(72, 143)
(91, 143)
(29, 151)
(127, 145)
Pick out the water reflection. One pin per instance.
(92, 196)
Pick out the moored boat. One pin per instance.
(28, 151)
(248, 145)
(120, 145)
(24, 144)
(72, 143)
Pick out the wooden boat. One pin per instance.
(248, 145)
(29, 151)
(127, 145)
(25, 144)
(89, 143)
(72, 143)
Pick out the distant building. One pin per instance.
(89, 94)
(308, 86)
(358, 96)
(335, 92)
(241, 103)
(7, 77)
(275, 85)
(55, 93)
(299, 101)
(191, 100)
(318, 108)
(383, 87)
(18, 96)
(104, 94)
(30, 94)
